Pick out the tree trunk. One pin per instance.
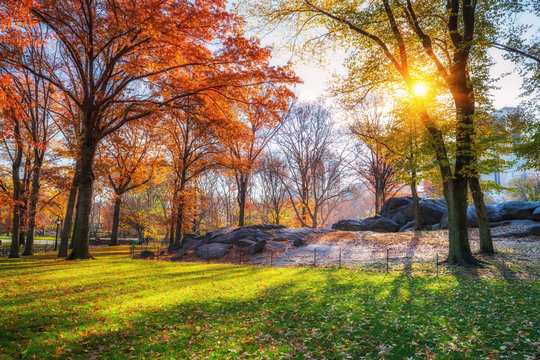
(486, 242)
(242, 193)
(179, 236)
(171, 231)
(116, 219)
(68, 218)
(84, 202)
(416, 203)
(34, 197)
(17, 208)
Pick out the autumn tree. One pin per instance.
(112, 50)
(256, 126)
(127, 159)
(191, 145)
(400, 44)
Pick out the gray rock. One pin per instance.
(242, 233)
(349, 225)
(407, 227)
(291, 234)
(212, 250)
(472, 219)
(535, 216)
(245, 242)
(381, 224)
(531, 230)
(257, 247)
(189, 244)
(299, 242)
(534, 230)
(432, 211)
(178, 256)
(513, 223)
(281, 239)
(512, 210)
(219, 231)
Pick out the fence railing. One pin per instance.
(370, 259)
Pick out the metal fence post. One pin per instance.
(314, 257)
(387, 255)
(271, 258)
(437, 264)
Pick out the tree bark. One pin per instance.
(242, 193)
(416, 203)
(84, 202)
(116, 219)
(486, 242)
(68, 218)
(34, 197)
(17, 208)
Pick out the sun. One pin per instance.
(420, 89)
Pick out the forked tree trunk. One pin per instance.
(84, 201)
(68, 218)
(179, 236)
(116, 219)
(486, 242)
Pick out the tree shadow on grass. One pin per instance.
(220, 311)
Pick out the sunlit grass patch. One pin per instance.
(117, 307)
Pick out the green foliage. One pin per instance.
(117, 308)
(528, 147)
(526, 189)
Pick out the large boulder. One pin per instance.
(257, 247)
(398, 209)
(531, 230)
(521, 210)
(219, 231)
(472, 219)
(241, 233)
(401, 210)
(535, 216)
(349, 225)
(377, 223)
(291, 234)
(212, 251)
(189, 244)
(381, 224)
(431, 211)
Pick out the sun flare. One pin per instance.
(420, 89)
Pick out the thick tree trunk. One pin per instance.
(416, 203)
(459, 251)
(84, 201)
(171, 232)
(34, 197)
(116, 220)
(68, 218)
(486, 242)
(14, 249)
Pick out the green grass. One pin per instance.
(4, 237)
(116, 307)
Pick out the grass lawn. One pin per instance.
(117, 307)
